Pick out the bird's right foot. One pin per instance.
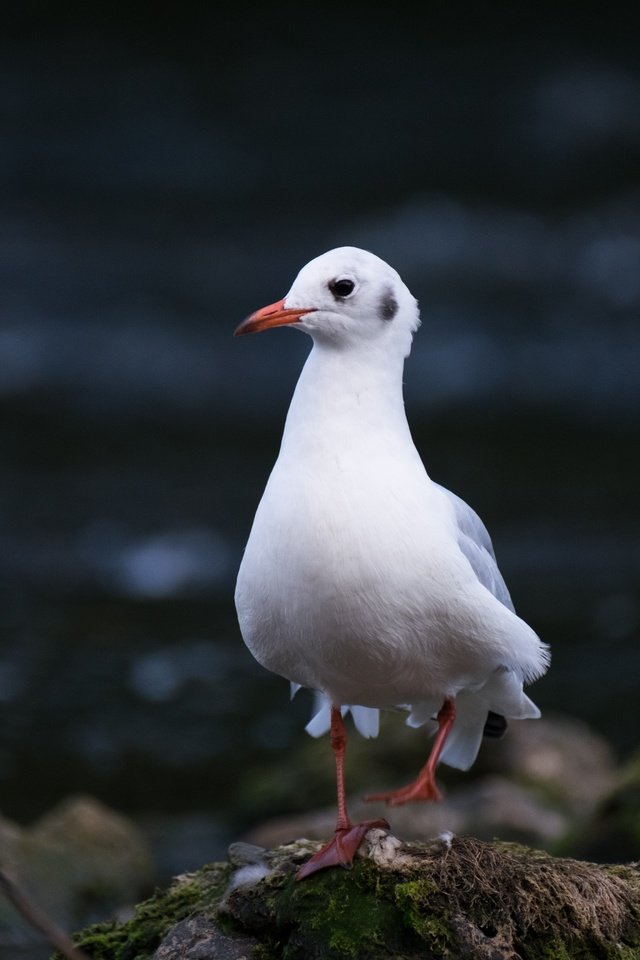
(424, 786)
(341, 850)
(421, 790)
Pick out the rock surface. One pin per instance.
(453, 899)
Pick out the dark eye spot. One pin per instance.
(388, 306)
(342, 287)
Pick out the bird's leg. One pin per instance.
(338, 736)
(341, 850)
(424, 786)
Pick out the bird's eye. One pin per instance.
(342, 287)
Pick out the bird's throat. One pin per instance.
(346, 397)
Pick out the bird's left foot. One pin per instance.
(419, 790)
(341, 850)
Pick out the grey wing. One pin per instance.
(475, 543)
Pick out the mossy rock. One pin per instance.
(451, 899)
(190, 895)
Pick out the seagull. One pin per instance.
(363, 579)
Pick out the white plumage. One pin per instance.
(362, 578)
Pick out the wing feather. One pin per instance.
(475, 543)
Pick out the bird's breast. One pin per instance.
(346, 575)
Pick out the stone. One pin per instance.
(200, 939)
(454, 898)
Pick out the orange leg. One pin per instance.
(424, 786)
(341, 850)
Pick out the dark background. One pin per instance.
(165, 171)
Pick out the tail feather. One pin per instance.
(366, 719)
(502, 696)
(478, 712)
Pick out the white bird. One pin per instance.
(362, 578)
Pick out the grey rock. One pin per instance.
(241, 854)
(199, 938)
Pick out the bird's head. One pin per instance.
(344, 298)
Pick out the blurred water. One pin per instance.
(162, 180)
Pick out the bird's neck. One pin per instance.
(345, 397)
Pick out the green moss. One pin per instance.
(554, 949)
(340, 915)
(412, 899)
(138, 937)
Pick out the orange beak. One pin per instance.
(274, 315)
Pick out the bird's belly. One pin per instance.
(367, 617)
